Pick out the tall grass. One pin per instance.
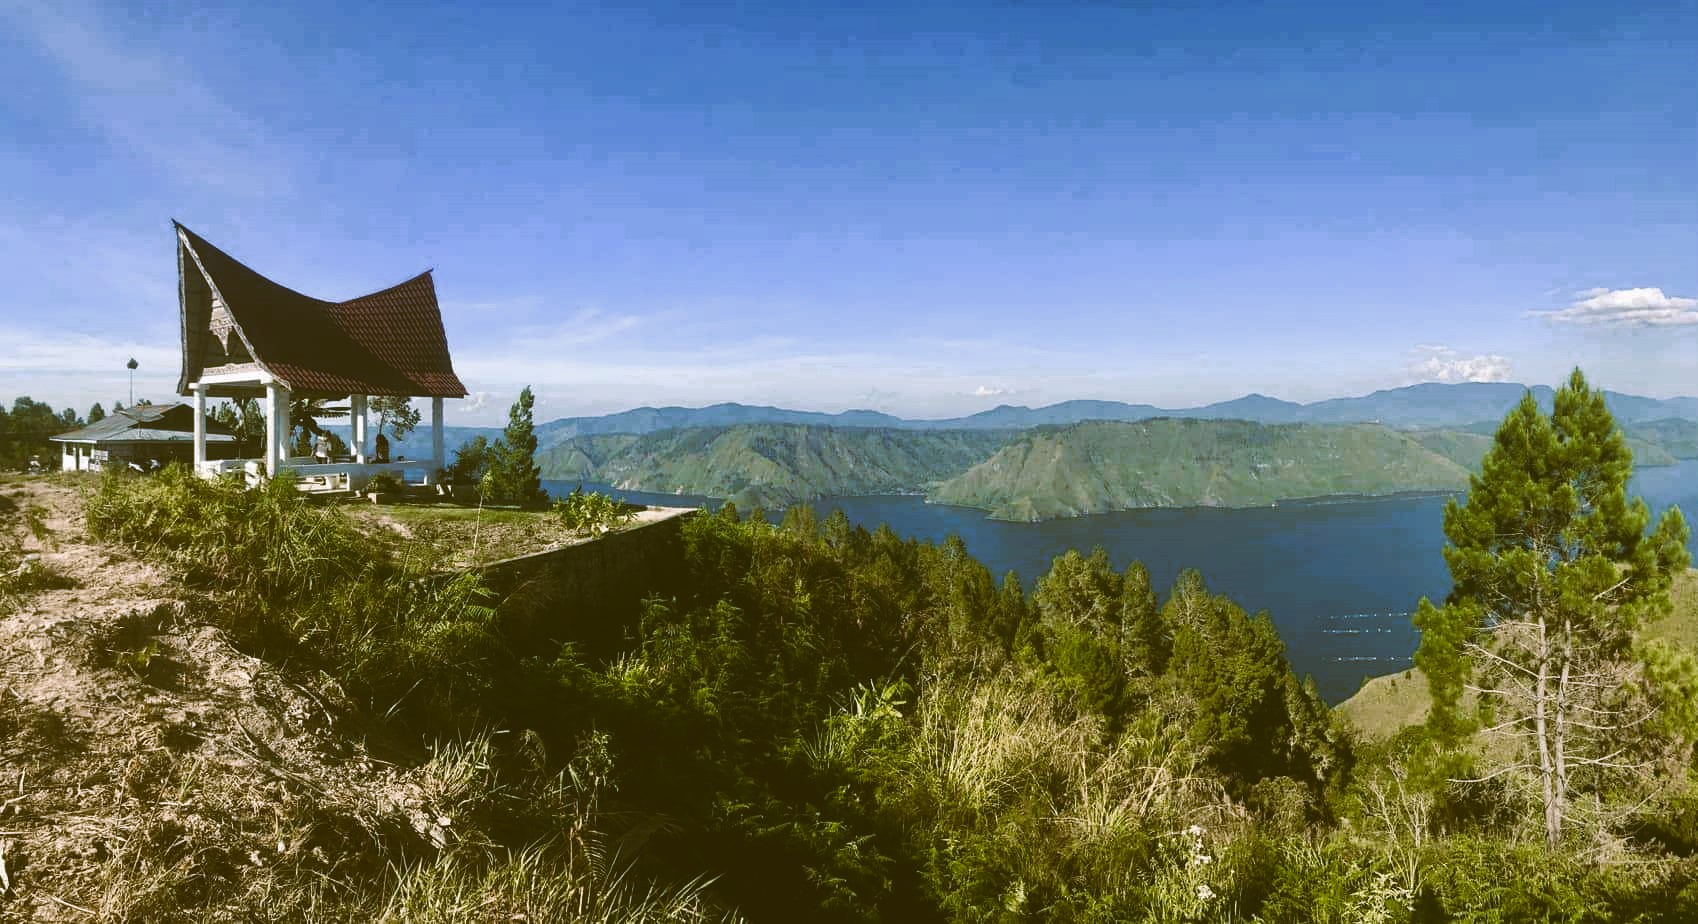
(498, 836)
(541, 883)
(299, 582)
(1020, 802)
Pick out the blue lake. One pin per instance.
(1339, 577)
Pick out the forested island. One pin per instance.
(1055, 470)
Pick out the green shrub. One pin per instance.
(592, 514)
(384, 483)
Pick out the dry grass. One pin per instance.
(1681, 626)
(151, 771)
(455, 535)
(1385, 705)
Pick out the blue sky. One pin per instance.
(925, 209)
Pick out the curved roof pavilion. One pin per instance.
(245, 336)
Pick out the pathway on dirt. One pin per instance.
(146, 763)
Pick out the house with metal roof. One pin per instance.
(147, 436)
(245, 336)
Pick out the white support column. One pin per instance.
(438, 458)
(276, 427)
(283, 427)
(357, 410)
(200, 424)
(269, 457)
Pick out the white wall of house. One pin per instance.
(73, 457)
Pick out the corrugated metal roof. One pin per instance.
(171, 421)
(148, 436)
(386, 343)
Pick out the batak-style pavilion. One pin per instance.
(245, 336)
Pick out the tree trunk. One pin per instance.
(1560, 740)
(1542, 732)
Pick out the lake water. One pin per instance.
(1339, 577)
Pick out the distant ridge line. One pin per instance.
(1429, 404)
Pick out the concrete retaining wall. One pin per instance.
(591, 593)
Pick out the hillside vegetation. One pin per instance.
(1103, 466)
(1391, 703)
(252, 709)
(772, 465)
(1653, 442)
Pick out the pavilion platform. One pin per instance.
(314, 477)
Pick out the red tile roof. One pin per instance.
(386, 343)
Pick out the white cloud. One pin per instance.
(474, 402)
(991, 391)
(1644, 307)
(1439, 363)
(591, 325)
(65, 351)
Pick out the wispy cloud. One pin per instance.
(1645, 307)
(991, 391)
(35, 351)
(148, 102)
(1439, 363)
(590, 325)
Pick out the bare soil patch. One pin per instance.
(147, 766)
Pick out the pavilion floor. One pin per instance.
(314, 477)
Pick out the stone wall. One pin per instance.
(591, 593)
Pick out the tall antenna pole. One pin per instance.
(131, 365)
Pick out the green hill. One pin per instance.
(1460, 446)
(773, 464)
(1100, 466)
(1068, 470)
(1674, 437)
(1654, 442)
(580, 457)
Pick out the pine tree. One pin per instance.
(471, 461)
(96, 414)
(1144, 644)
(395, 413)
(514, 476)
(1553, 572)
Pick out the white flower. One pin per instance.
(1204, 859)
(1195, 830)
(1204, 893)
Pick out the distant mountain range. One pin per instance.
(1426, 405)
(1042, 463)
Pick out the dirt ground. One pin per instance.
(146, 764)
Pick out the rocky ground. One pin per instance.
(146, 765)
